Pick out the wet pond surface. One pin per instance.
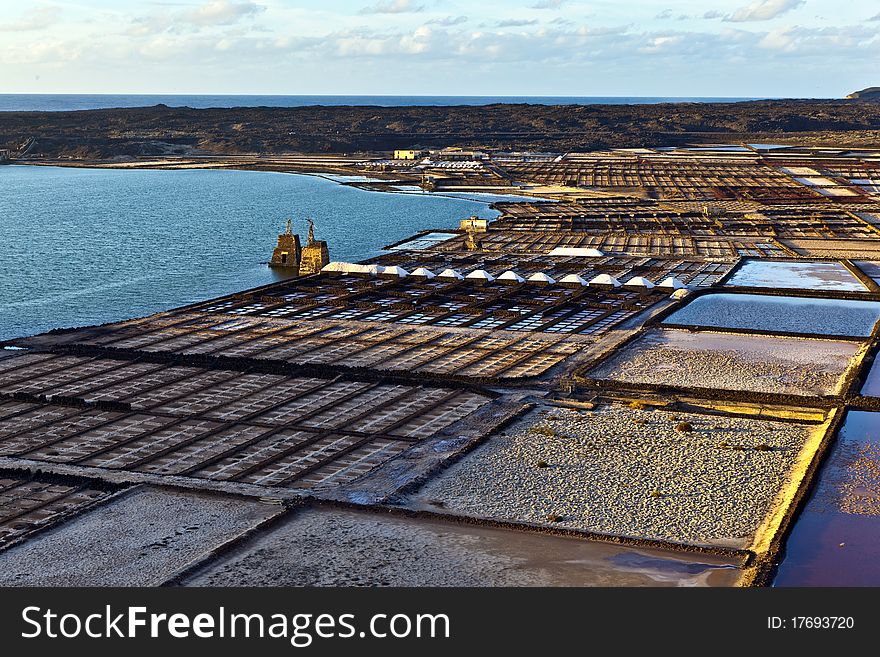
(796, 275)
(429, 552)
(871, 268)
(871, 387)
(778, 313)
(834, 541)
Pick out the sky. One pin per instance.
(721, 48)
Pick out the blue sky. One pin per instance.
(744, 48)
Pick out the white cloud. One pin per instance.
(217, 13)
(514, 22)
(777, 40)
(762, 10)
(448, 21)
(222, 12)
(35, 19)
(548, 4)
(41, 52)
(853, 41)
(393, 7)
(236, 45)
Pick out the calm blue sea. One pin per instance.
(87, 246)
(67, 102)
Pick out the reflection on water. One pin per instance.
(642, 562)
(871, 387)
(87, 246)
(834, 541)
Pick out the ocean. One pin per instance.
(88, 246)
(68, 102)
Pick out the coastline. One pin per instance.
(312, 166)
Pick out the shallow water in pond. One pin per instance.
(842, 317)
(796, 275)
(835, 539)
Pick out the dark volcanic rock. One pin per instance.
(168, 130)
(871, 93)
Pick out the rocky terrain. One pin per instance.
(163, 130)
(871, 93)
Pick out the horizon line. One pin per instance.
(376, 95)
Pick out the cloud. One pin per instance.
(852, 41)
(666, 13)
(548, 4)
(709, 15)
(513, 22)
(42, 52)
(485, 47)
(222, 12)
(448, 21)
(217, 13)
(762, 10)
(35, 19)
(875, 18)
(393, 7)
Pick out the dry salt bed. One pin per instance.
(755, 363)
(647, 474)
(834, 541)
(772, 313)
(796, 275)
(140, 539)
(372, 549)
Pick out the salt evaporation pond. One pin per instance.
(844, 317)
(870, 268)
(834, 541)
(756, 363)
(796, 275)
(871, 387)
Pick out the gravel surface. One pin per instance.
(140, 539)
(626, 471)
(328, 547)
(771, 313)
(732, 362)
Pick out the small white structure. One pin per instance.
(511, 277)
(605, 280)
(671, 283)
(450, 273)
(541, 278)
(421, 272)
(394, 271)
(572, 279)
(639, 282)
(352, 268)
(480, 275)
(576, 251)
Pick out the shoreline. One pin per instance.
(373, 184)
